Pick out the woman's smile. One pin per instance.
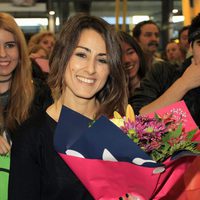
(85, 80)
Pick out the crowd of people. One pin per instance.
(38, 77)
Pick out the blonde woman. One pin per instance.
(17, 88)
(20, 95)
(46, 39)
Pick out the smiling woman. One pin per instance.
(17, 91)
(87, 70)
(15, 80)
(86, 75)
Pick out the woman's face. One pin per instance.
(130, 60)
(9, 54)
(88, 69)
(47, 42)
(173, 52)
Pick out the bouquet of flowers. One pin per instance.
(148, 163)
(161, 136)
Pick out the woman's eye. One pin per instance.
(103, 61)
(81, 55)
(198, 42)
(10, 45)
(131, 51)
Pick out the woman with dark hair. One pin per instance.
(86, 76)
(133, 61)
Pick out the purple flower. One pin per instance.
(149, 131)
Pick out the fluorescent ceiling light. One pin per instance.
(57, 21)
(32, 21)
(112, 20)
(175, 11)
(178, 18)
(139, 18)
(52, 12)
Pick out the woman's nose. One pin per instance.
(2, 51)
(126, 58)
(91, 66)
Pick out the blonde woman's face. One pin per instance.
(88, 69)
(47, 42)
(9, 54)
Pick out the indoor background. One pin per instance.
(36, 15)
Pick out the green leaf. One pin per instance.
(191, 134)
(172, 134)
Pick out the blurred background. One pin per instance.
(36, 15)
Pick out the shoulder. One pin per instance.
(160, 72)
(163, 66)
(42, 98)
(35, 128)
(163, 72)
(155, 82)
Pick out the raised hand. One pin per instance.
(191, 76)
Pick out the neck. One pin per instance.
(149, 60)
(4, 86)
(89, 110)
(134, 83)
(5, 80)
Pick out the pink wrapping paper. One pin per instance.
(108, 180)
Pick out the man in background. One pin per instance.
(164, 85)
(147, 34)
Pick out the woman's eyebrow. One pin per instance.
(84, 48)
(89, 50)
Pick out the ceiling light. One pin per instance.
(51, 12)
(32, 21)
(177, 18)
(174, 11)
(139, 18)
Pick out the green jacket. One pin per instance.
(4, 176)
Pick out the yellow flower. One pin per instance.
(130, 115)
(117, 122)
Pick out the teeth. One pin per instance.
(130, 66)
(85, 80)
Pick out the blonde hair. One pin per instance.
(36, 38)
(21, 89)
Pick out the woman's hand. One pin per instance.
(129, 197)
(4, 146)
